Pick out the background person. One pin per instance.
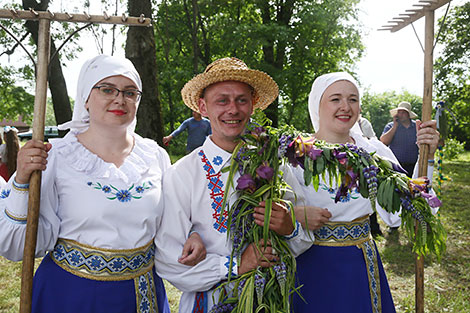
(9, 152)
(101, 202)
(198, 129)
(400, 136)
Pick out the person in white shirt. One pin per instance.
(342, 271)
(226, 92)
(101, 202)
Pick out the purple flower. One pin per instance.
(341, 193)
(265, 171)
(291, 155)
(313, 153)
(340, 156)
(259, 133)
(398, 168)
(246, 182)
(433, 201)
(351, 179)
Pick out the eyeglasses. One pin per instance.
(111, 93)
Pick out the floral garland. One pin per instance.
(258, 158)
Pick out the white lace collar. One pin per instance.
(136, 164)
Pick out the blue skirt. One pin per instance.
(58, 291)
(335, 280)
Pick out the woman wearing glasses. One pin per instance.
(101, 202)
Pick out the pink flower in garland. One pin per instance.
(342, 157)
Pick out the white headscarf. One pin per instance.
(318, 88)
(93, 71)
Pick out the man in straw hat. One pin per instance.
(227, 92)
(400, 136)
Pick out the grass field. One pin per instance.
(447, 283)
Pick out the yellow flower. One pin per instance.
(303, 145)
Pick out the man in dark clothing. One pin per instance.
(198, 129)
(400, 136)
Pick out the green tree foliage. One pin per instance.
(19, 69)
(14, 100)
(452, 71)
(293, 41)
(376, 107)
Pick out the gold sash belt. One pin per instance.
(112, 265)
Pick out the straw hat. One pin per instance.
(226, 69)
(405, 106)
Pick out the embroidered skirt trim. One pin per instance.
(111, 265)
(355, 233)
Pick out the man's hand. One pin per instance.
(194, 250)
(281, 219)
(253, 257)
(312, 217)
(395, 121)
(167, 139)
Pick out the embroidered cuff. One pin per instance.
(20, 187)
(295, 232)
(15, 219)
(431, 162)
(226, 266)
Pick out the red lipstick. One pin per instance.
(117, 112)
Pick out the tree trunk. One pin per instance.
(57, 84)
(275, 54)
(140, 49)
(268, 51)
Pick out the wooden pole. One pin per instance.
(75, 18)
(424, 149)
(35, 180)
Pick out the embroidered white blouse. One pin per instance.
(86, 199)
(194, 189)
(353, 205)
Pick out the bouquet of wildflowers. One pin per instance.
(258, 159)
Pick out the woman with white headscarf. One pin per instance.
(101, 202)
(342, 271)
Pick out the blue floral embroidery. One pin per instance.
(123, 195)
(5, 193)
(351, 195)
(217, 160)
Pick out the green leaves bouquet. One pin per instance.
(258, 159)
